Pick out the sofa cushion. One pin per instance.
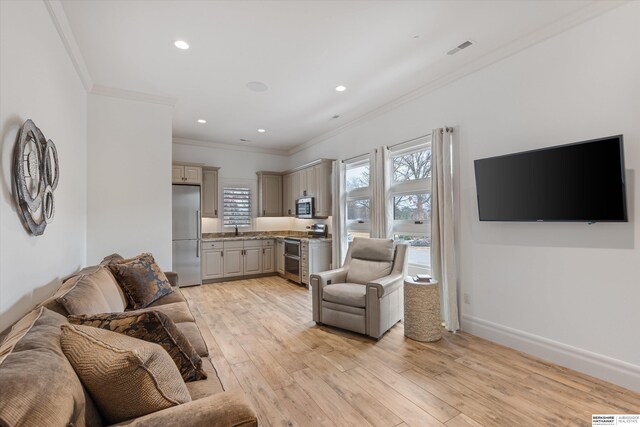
(204, 388)
(46, 390)
(141, 279)
(364, 271)
(126, 377)
(351, 294)
(155, 327)
(372, 249)
(175, 296)
(191, 331)
(179, 312)
(95, 292)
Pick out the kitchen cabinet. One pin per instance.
(315, 180)
(209, 192)
(288, 202)
(237, 258)
(212, 260)
(279, 256)
(315, 257)
(252, 257)
(269, 194)
(268, 261)
(233, 255)
(182, 173)
(323, 197)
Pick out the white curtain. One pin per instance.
(338, 215)
(379, 183)
(443, 256)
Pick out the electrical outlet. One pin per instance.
(466, 298)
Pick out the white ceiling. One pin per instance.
(301, 49)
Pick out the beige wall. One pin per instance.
(38, 82)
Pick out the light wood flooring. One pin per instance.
(262, 340)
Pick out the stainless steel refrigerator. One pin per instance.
(186, 234)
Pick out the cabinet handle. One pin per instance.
(222, 254)
(264, 212)
(215, 212)
(263, 250)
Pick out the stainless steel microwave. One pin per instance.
(305, 207)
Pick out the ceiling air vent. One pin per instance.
(461, 46)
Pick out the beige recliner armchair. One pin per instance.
(365, 295)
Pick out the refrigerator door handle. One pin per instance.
(197, 248)
(198, 225)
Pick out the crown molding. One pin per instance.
(225, 146)
(59, 18)
(592, 10)
(132, 95)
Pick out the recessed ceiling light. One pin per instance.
(341, 88)
(202, 121)
(261, 130)
(257, 87)
(181, 44)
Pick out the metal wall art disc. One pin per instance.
(36, 175)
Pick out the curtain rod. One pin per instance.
(408, 141)
(356, 157)
(448, 129)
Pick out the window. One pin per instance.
(237, 206)
(410, 195)
(358, 197)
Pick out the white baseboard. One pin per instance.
(613, 370)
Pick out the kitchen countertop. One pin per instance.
(302, 236)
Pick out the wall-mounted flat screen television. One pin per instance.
(581, 182)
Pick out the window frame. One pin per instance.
(409, 187)
(239, 183)
(362, 193)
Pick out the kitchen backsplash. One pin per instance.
(211, 225)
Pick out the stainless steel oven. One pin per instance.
(305, 208)
(292, 267)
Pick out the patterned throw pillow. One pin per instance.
(126, 377)
(141, 279)
(155, 327)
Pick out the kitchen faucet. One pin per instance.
(236, 229)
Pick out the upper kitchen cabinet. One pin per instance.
(269, 193)
(322, 176)
(210, 192)
(184, 173)
(314, 181)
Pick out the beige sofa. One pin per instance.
(32, 364)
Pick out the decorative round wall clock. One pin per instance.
(36, 174)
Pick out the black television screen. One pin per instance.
(581, 182)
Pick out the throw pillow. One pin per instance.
(126, 377)
(38, 386)
(155, 327)
(94, 292)
(141, 279)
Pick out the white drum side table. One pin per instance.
(422, 310)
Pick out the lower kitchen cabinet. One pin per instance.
(233, 259)
(212, 260)
(279, 256)
(315, 258)
(268, 261)
(237, 258)
(252, 257)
